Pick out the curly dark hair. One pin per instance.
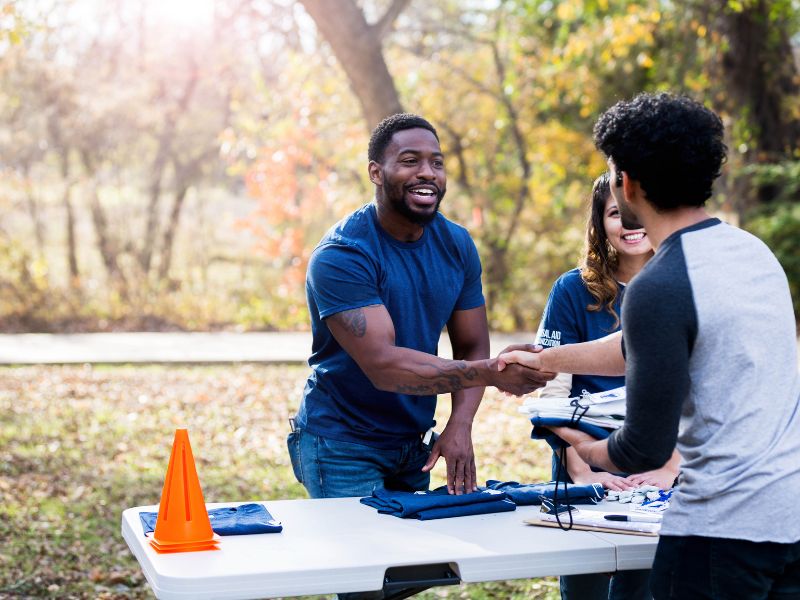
(672, 145)
(599, 261)
(382, 135)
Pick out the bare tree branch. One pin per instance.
(359, 49)
(385, 24)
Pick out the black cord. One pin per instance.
(562, 463)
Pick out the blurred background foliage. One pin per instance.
(171, 165)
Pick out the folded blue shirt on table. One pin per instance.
(230, 520)
(524, 494)
(540, 431)
(437, 504)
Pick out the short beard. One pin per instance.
(397, 198)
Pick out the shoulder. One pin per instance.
(662, 287)
(722, 238)
(569, 283)
(352, 241)
(568, 296)
(451, 230)
(353, 229)
(355, 232)
(453, 240)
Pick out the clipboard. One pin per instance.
(624, 528)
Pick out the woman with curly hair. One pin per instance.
(584, 305)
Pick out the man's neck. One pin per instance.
(661, 225)
(396, 225)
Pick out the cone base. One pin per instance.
(186, 547)
(214, 539)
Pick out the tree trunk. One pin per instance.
(762, 74)
(109, 253)
(33, 210)
(181, 188)
(358, 46)
(762, 83)
(66, 200)
(165, 140)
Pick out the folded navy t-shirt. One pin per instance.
(230, 520)
(541, 432)
(437, 504)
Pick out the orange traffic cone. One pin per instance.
(182, 524)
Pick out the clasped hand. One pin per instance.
(519, 370)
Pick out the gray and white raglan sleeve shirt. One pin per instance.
(711, 362)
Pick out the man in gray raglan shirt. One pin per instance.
(709, 353)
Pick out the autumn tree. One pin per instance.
(358, 46)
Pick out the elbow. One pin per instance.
(650, 460)
(382, 384)
(653, 463)
(638, 458)
(377, 381)
(379, 375)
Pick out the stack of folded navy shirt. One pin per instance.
(230, 520)
(523, 494)
(596, 414)
(438, 504)
(541, 430)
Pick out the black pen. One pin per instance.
(634, 517)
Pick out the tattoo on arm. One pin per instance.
(354, 321)
(449, 378)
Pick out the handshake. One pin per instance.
(518, 370)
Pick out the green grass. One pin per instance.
(78, 445)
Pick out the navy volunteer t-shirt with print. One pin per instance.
(358, 264)
(566, 320)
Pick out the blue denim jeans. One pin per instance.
(622, 585)
(333, 469)
(692, 567)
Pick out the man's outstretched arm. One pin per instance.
(367, 335)
(598, 357)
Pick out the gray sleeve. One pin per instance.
(659, 328)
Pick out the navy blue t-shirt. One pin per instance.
(420, 283)
(566, 320)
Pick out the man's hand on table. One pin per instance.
(455, 445)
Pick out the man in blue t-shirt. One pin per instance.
(381, 285)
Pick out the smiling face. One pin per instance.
(630, 242)
(411, 178)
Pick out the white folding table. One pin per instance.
(340, 545)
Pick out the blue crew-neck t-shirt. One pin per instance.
(567, 320)
(357, 264)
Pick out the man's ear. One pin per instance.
(375, 173)
(631, 189)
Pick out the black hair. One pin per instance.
(382, 135)
(672, 145)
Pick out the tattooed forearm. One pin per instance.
(450, 377)
(354, 321)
